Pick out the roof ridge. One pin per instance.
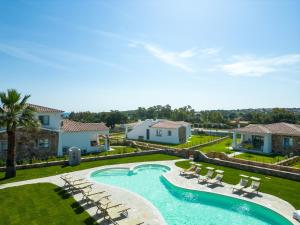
(293, 126)
(262, 126)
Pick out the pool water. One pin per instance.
(186, 207)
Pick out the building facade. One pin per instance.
(54, 137)
(163, 131)
(278, 138)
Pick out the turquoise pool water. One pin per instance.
(185, 207)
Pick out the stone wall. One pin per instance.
(268, 169)
(27, 144)
(289, 161)
(89, 159)
(277, 145)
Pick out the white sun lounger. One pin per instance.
(189, 170)
(130, 221)
(207, 176)
(242, 184)
(253, 188)
(217, 179)
(194, 173)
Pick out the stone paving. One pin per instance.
(143, 209)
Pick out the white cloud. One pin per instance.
(23, 54)
(52, 57)
(210, 51)
(172, 58)
(256, 67)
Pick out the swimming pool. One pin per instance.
(180, 206)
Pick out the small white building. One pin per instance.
(82, 135)
(160, 130)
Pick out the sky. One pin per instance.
(121, 54)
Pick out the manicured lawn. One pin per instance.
(192, 141)
(222, 146)
(260, 158)
(116, 150)
(286, 189)
(54, 170)
(296, 165)
(40, 204)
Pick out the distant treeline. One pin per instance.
(207, 118)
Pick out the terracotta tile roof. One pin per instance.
(169, 124)
(274, 128)
(43, 109)
(73, 126)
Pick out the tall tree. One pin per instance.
(14, 112)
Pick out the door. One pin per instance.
(147, 134)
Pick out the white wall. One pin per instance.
(164, 138)
(81, 140)
(188, 131)
(54, 120)
(140, 130)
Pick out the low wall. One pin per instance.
(89, 159)
(272, 170)
(223, 156)
(158, 146)
(289, 161)
(208, 143)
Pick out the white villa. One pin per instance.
(55, 136)
(160, 130)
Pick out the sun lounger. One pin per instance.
(89, 191)
(242, 184)
(130, 221)
(191, 169)
(217, 179)
(194, 173)
(116, 212)
(69, 180)
(206, 177)
(100, 198)
(253, 188)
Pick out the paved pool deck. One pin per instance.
(143, 209)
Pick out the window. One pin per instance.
(287, 142)
(158, 132)
(94, 143)
(43, 143)
(3, 146)
(44, 120)
(169, 133)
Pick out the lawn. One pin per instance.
(40, 204)
(115, 150)
(296, 165)
(286, 189)
(27, 174)
(192, 141)
(260, 158)
(221, 146)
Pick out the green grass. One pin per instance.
(296, 165)
(40, 204)
(192, 141)
(260, 158)
(221, 146)
(288, 190)
(116, 150)
(27, 174)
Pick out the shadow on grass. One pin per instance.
(77, 208)
(62, 193)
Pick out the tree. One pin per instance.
(14, 112)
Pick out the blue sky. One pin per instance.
(102, 55)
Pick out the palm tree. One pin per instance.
(14, 113)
